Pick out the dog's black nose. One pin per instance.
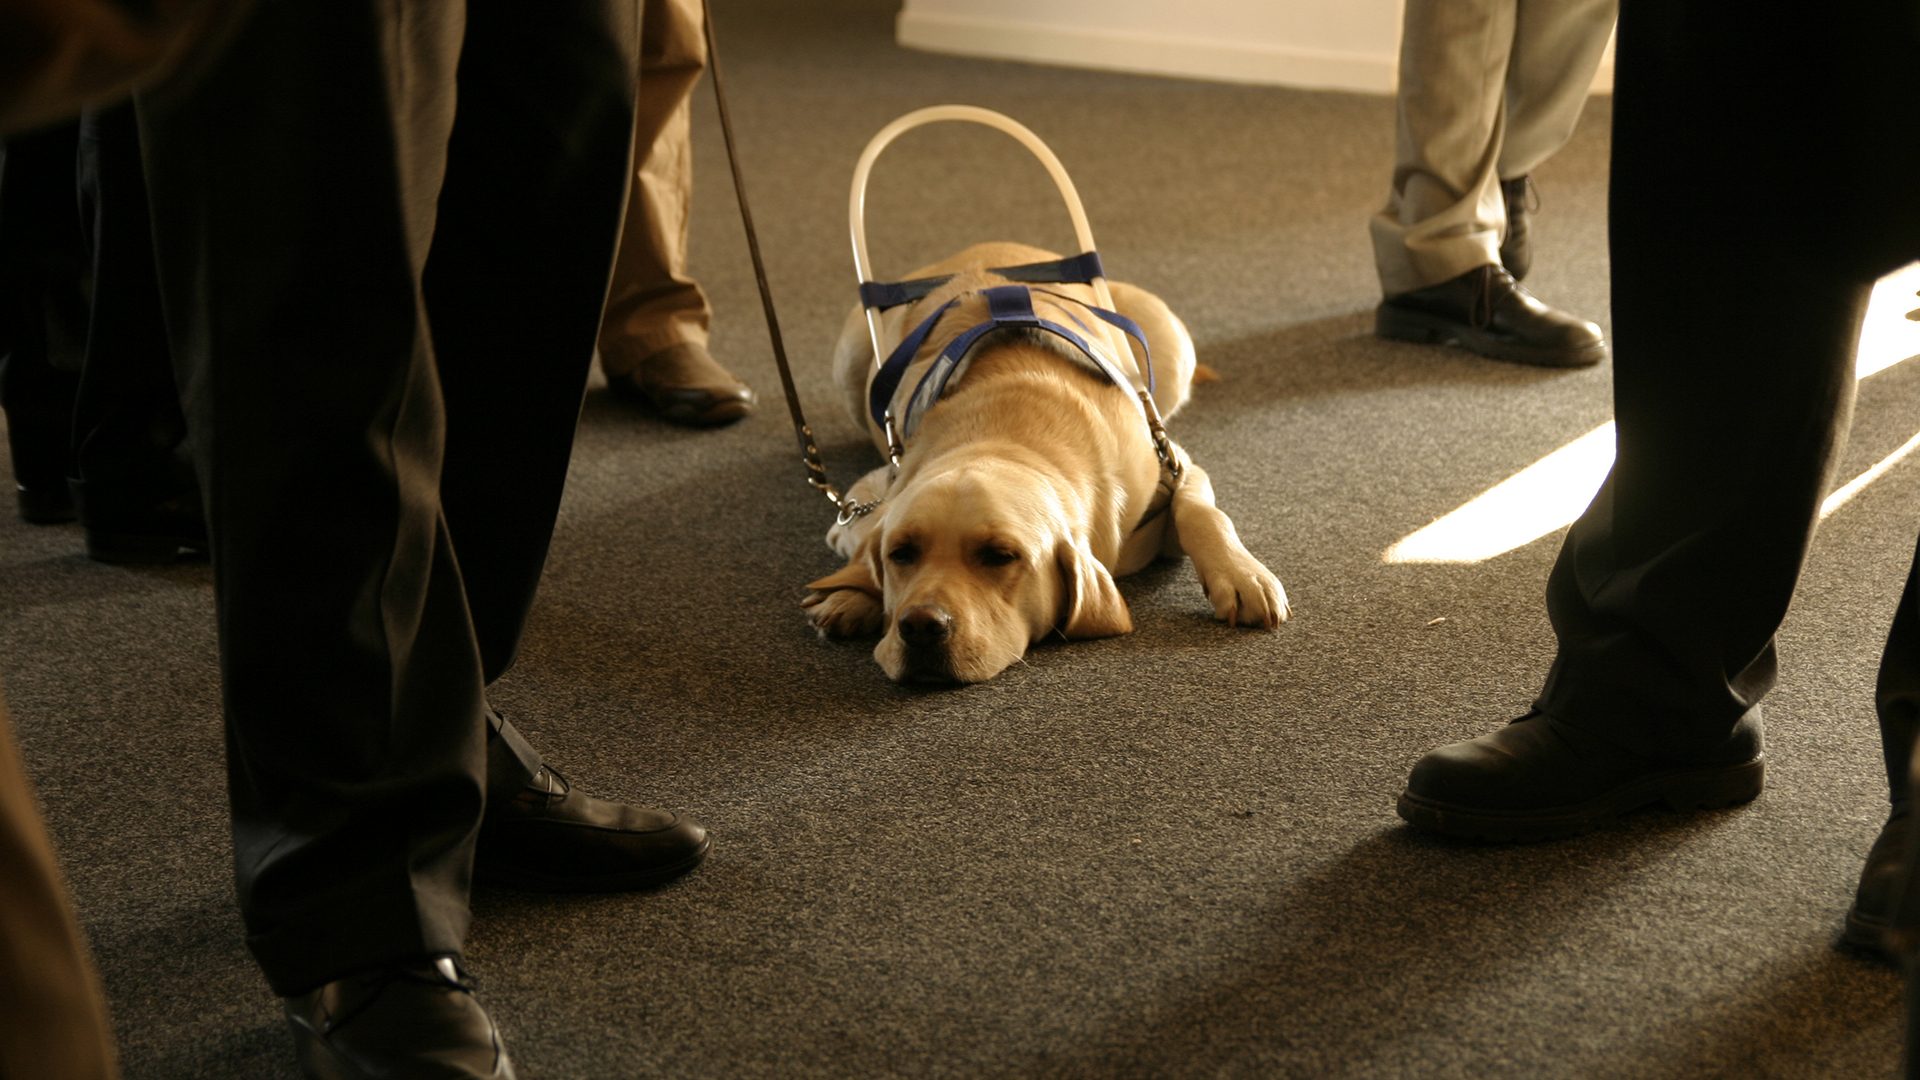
(924, 626)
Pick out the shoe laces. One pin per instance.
(555, 791)
(447, 971)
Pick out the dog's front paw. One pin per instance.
(844, 613)
(1245, 593)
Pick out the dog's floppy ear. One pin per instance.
(862, 572)
(1093, 606)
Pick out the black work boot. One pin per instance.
(1485, 311)
(1871, 916)
(1522, 198)
(1539, 778)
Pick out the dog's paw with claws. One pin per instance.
(1246, 593)
(845, 613)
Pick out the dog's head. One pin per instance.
(973, 565)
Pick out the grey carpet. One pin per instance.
(1172, 854)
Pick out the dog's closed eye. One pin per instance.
(904, 554)
(994, 555)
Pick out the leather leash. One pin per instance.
(809, 450)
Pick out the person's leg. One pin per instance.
(42, 315)
(1557, 46)
(528, 219)
(1436, 243)
(1732, 394)
(293, 198)
(653, 338)
(132, 485)
(293, 191)
(1897, 701)
(1444, 213)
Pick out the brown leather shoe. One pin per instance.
(686, 385)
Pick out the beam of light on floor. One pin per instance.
(1519, 510)
(1553, 491)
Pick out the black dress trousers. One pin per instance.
(128, 429)
(43, 303)
(384, 230)
(1763, 176)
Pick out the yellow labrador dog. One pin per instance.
(1028, 483)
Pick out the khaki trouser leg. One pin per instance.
(1555, 53)
(1475, 75)
(653, 304)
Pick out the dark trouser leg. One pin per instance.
(294, 206)
(528, 221)
(1897, 693)
(515, 306)
(1889, 895)
(1733, 373)
(42, 309)
(128, 462)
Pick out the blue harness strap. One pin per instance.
(1007, 306)
(1073, 270)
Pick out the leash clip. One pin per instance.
(1162, 445)
(895, 447)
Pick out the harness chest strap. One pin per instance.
(1007, 306)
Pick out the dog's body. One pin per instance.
(1025, 491)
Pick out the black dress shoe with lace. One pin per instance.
(1870, 919)
(1485, 311)
(551, 838)
(1516, 251)
(44, 506)
(131, 527)
(1540, 779)
(416, 1020)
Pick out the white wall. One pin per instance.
(1316, 44)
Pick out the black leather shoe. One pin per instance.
(125, 529)
(1871, 917)
(44, 506)
(1538, 779)
(551, 838)
(1485, 311)
(1516, 253)
(686, 385)
(416, 1020)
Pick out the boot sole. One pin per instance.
(1694, 789)
(1395, 324)
(513, 877)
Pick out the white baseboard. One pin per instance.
(1119, 50)
(1151, 54)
